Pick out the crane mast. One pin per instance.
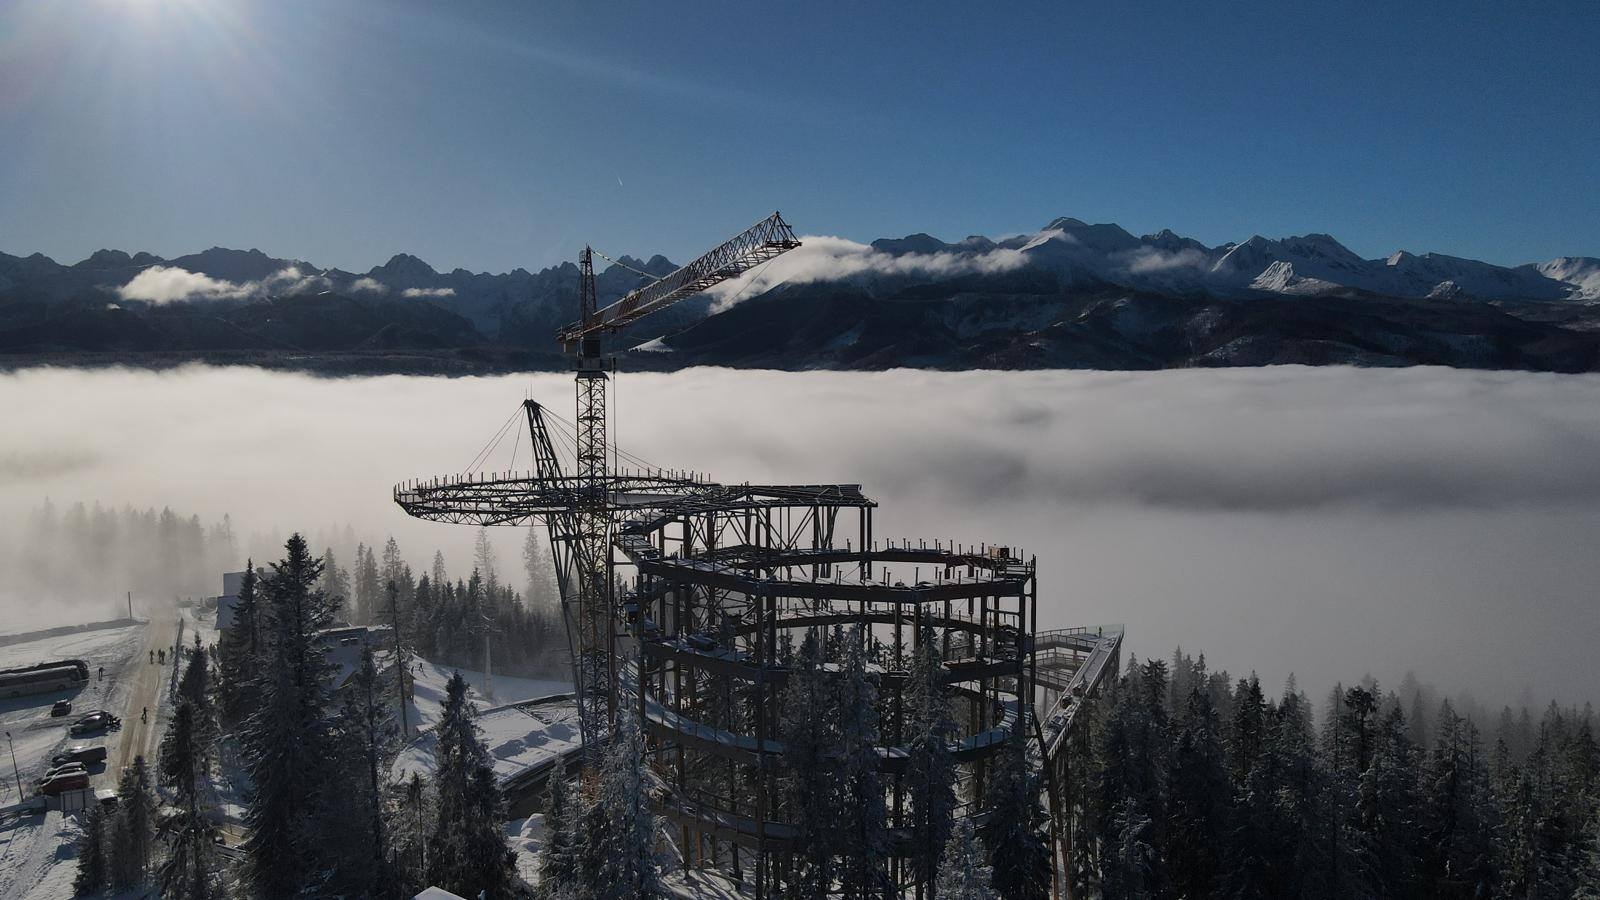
(585, 578)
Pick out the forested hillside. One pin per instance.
(1193, 785)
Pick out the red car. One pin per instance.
(66, 781)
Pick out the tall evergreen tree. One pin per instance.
(467, 852)
(558, 855)
(132, 828)
(286, 739)
(358, 862)
(862, 828)
(366, 587)
(1012, 824)
(930, 767)
(240, 650)
(1198, 807)
(92, 865)
(185, 763)
(807, 726)
(964, 874)
(618, 847)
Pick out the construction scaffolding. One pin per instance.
(687, 598)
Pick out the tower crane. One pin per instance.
(580, 509)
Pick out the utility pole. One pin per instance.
(402, 667)
(130, 604)
(15, 770)
(489, 631)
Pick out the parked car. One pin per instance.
(80, 753)
(66, 781)
(106, 797)
(62, 769)
(99, 720)
(61, 708)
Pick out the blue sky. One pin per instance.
(493, 135)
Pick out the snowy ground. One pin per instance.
(431, 678)
(37, 852)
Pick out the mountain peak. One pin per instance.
(404, 265)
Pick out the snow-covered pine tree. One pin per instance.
(286, 740)
(558, 855)
(92, 865)
(625, 803)
(335, 581)
(239, 652)
(366, 588)
(808, 726)
(1199, 801)
(930, 767)
(861, 826)
(1011, 830)
(467, 852)
(356, 848)
(964, 874)
(132, 829)
(186, 750)
(408, 850)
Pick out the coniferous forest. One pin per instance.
(1194, 785)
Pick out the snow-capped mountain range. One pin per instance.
(1070, 295)
(1311, 264)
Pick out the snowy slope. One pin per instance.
(1310, 264)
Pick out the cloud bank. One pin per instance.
(171, 284)
(827, 258)
(1327, 522)
(428, 292)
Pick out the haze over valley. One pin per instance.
(1325, 522)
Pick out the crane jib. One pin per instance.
(760, 242)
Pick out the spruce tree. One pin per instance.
(286, 739)
(185, 763)
(92, 865)
(357, 861)
(467, 851)
(239, 651)
(132, 828)
(964, 874)
(808, 727)
(930, 767)
(1199, 798)
(625, 845)
(861, 826)
(1011, 828)
(558, 855)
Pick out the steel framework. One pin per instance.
(682, 595)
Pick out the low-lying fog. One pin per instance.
(1329, 522)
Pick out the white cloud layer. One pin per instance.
(428, 292)
(826, 258)
(1329, 522)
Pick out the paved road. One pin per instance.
(147, 687)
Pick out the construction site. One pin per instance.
(685, 597)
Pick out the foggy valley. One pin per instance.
(1328, 522)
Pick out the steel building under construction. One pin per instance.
(688, 598)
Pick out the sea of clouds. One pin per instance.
(1328, 522)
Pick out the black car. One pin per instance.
(99, 720)
(61, 708)
(81, 754)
